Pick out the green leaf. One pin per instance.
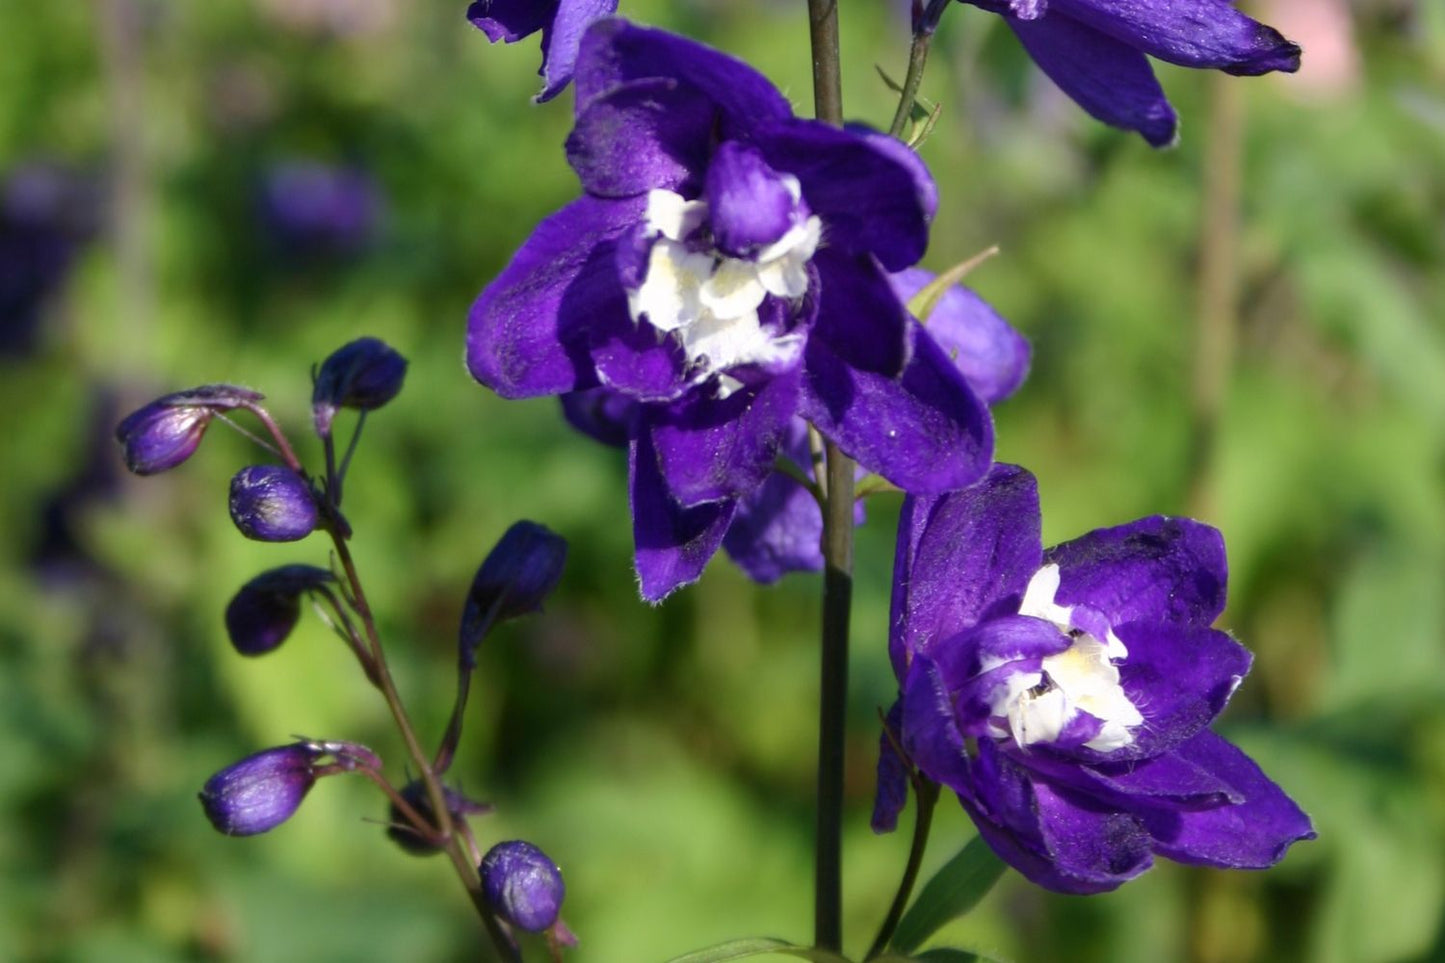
(921, 305)
(757, 946)
(952, 892)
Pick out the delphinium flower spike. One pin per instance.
(726, 268)
(1065, 695)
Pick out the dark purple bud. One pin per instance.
(518, 573)
(365, 374)
(262, 614)
(271, 503)
(261, 792)
(415, 793)
(167, 431)
(522, 885)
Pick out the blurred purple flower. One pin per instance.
(46, 214)
(562, 22)
(726, 268)
(314, 210)
(1098, 51)
(1065, 695)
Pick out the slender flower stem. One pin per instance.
(926, 792)
(284, 446)
(467, 871)
(838, 569)
(917, 58)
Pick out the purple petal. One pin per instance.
(965, 553)
(1191, 33)
(637, 360)
(859, 317)
(924, 431)
(929, 733)
(641, 135)
(873, 193)
(776, 531)
(526, 334)
(1167, 781)
(601, 414)
(1180, 677)
(749, 204)
(993, 357)
(1251, 834)
(1019, 642)
(614, 52)
(561, 39)
(892, 793)
(710, 449)
(673, 544)
(1154, 569)
(1108, 78)
(510, 20)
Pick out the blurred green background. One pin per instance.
(664, 755)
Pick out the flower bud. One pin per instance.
(415, 793)
(261, 792)
(262, 614)
(519, 572)
(271, 503)
(365, 374)
(522, 885)
(167, 431)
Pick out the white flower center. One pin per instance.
(710, 302)
(1082, 678)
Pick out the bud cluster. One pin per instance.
(283, 502)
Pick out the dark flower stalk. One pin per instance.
(837, 572)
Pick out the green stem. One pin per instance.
(466, 870)
(927, 795)
(838, 568)
(917, 58)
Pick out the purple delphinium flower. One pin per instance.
(1065, 695)
(46, 214)
(523, 885)
(562, 23)
(726, 269)
(1098, 51)
(777, 529)
(272, 503)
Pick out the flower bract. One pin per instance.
(1065, 695)
(727, 269)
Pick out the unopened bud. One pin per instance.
(519, 572)
(271, 503)
(260, 792)
(167, 431)
(415, 793)
(522, 885)
(364, 375)
(262, 614)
